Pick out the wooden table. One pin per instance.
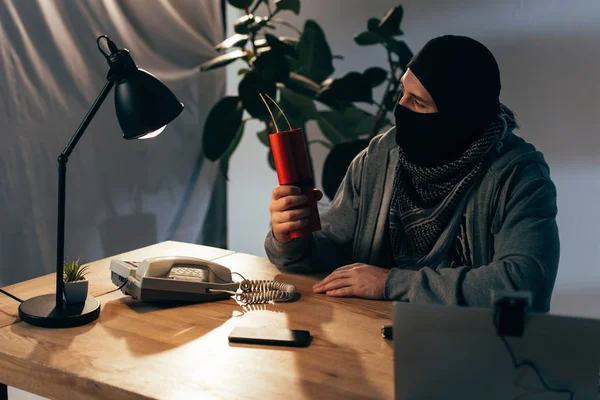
(138, 351)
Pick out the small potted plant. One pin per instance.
(76, 285)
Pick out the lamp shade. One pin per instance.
(144, 105)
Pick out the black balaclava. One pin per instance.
(463, 78)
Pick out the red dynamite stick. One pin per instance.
(293, 168)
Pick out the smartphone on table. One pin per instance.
(270, 336)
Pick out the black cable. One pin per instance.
(528, 363)
(114, 290)
(11, 296)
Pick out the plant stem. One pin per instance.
(253, 33)
(272, 14)
(255, 5)
(285, 23)
(381, 112)
(269, 9)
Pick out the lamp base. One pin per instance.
(42, 311)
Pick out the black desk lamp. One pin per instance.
(144, 107)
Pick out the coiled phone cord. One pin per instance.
(260, 291)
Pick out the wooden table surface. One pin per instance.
(135, 350)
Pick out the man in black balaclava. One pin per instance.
(459, 83)
(447, 207)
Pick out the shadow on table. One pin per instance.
(46, 340)
(7, 319)
(175, 324)
(320, 377)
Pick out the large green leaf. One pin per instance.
(375, 76)
(259, 23)
(358, 122)
(263, 136)
(224, 161)
(390, 24)
(302, 85)
(271, 160)
(241, 4)
(304, 106)
(221, 125)
(236, 40)
(332, 126)
(373, 24)
(292, 5)
(223, 60)
(289, 40)
(272, 66)
(314, 54)
(249, 91)
(280, 47)
(245, 24)
(363, 129)
(346, 125)
(401, 49)
(352, 87)
(258, 43)
(367, 38)
(298, 109)
(337, 162)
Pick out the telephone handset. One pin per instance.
(192, 279)
(183, 268)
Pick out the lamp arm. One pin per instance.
(63, 158)
(88, 118)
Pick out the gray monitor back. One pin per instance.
(443, 352)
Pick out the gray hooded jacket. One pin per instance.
(510, 221)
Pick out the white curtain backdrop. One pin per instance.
(120, 194)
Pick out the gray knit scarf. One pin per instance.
(425, 198)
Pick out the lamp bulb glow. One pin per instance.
(153, 133)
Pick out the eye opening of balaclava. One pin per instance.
(463, 78)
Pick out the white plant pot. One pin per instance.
(76, 292)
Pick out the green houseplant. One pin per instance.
(76, 284)
(298, 72)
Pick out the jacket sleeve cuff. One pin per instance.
(281, 254)
(281, 249)
(398, 284)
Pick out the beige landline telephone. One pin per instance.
(194, 280)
